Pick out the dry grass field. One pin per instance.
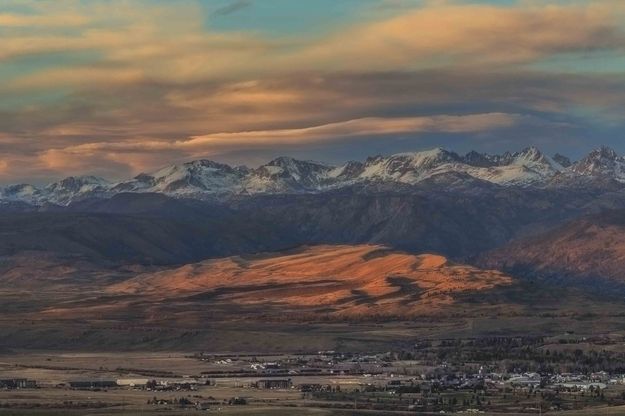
(54, 371)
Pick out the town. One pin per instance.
(491, 375)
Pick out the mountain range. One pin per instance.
(205, 179)
(411, 234)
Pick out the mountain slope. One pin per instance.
(452, 217)
(146, 229)
(343, 280)
(590, 249)
(457, 222)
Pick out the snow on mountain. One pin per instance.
(286, 174)
(602, 163)
(188, 179)
(74, 187)
(208, 179)
(409, 167)
(347, 173)
(20, 192)
(62, 192)
(527, 167)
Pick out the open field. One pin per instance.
(402, 381)
(248, 335)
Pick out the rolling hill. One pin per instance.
(370, 292)
(588, 250)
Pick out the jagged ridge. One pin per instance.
(207, 179)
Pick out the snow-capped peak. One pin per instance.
(530, 153)
(207, 179)
(74, 187)
(195, 177)
(603, 152)
(427, 158)
(601, 162)
(293, 167)
(408, 167)
(77, 184)
(288, 174)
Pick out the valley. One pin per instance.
(496, 374)
(433, 256)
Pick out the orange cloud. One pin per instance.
(156, 72)
(370, 126)
(443, 34)
(20, 20)
(143, 155)
(170, 43)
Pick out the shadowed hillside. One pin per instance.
(117, 233)
(590, 249)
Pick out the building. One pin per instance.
(581, 385)
(525, 380)
(92, 384)
(274, 384)
(17, 383)
(132, 382)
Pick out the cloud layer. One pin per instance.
(119, 87)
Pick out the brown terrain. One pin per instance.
(321, 297)
(591, 248)
(311, 282)
(341, 280)
(341, 293)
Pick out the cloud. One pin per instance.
(148, 154)
(20, 20)
(443, 34)
(359, 127)
(125, 130)
(171, 43)
(115, 88)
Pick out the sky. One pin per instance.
(119, 87)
